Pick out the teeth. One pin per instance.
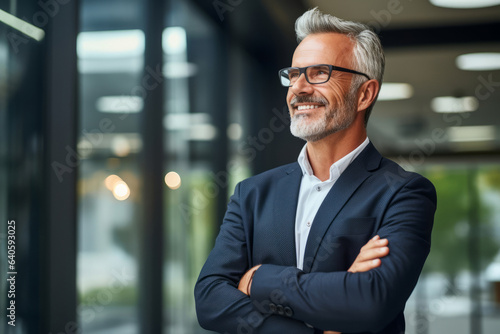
(305, 107)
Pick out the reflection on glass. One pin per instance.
(110, 65)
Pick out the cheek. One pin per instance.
(289, 96)
(337, 92)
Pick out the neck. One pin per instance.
(325, 152)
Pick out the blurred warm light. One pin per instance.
(173, 180)
(480, 61)
(465, 3)
(118, 187)
(450, 104)
(26, 28)
(471, 133)
(234, 131)
(121, 191)
(120, 146)
(391, 91)
(111, 181)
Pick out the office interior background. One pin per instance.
(125, 125)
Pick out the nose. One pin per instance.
(301, 86)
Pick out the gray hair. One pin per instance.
(368, 53)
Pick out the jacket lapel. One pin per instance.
(285, 207)
(357, 172)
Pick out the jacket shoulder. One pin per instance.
(397, 177)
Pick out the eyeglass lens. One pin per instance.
(314, 74)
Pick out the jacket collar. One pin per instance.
(357, 172)
(285, 204)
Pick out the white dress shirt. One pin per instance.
(312, 193)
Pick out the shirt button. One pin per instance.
(318, 188)
(272, 307)
(308, 224)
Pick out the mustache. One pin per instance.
(308, 99)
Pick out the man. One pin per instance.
(304, 248)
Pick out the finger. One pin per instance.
(372, 253)
(242, 285)
(365, 266)
(382, 242)
(373, 243)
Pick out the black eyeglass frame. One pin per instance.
(331, 68)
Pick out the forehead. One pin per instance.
(324, 48)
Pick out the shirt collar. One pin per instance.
(337, 168)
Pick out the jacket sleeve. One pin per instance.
(368, 301)
(220, 306)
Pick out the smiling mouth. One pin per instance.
(308, 107)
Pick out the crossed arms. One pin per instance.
(368, 258)
(335, 300)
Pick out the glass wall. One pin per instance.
(203, 128)
(458, 289)
(111, 76)
(194, 125)
(21, 172)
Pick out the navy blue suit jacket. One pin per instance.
(372, 196)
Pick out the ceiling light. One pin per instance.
(119, 104)
(197, 125)
(202, 132)
(185, 121)
(174, 40)
(177, 70)
(471, 133)
(465, 3)
(484, 61)
(110, 44)
(449, 104)
(391, 91)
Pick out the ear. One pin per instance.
(367, 94)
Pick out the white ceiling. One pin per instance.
(398, 126)
(404, 13)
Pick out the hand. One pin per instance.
(368, 258)
(370, 254)
(245, 283)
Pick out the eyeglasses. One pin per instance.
(315, 74)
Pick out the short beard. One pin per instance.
(335, 119)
